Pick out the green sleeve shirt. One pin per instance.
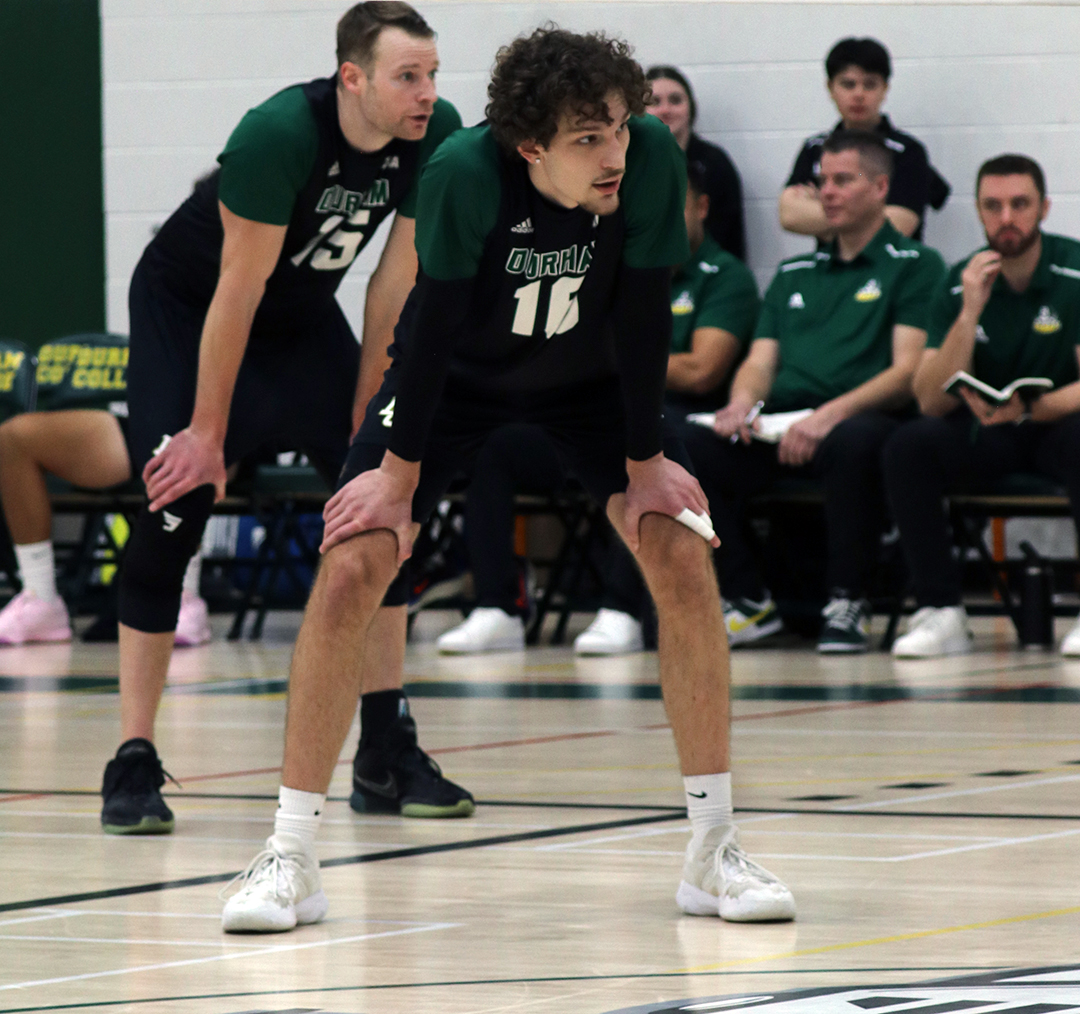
(714, 289)
(834, 320)
(268, 158)
(1021, 334)
(270, 155)
(461, 186)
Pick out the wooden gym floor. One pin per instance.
(926, 815)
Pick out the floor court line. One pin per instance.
(276, 949)
(370, 857)
(982, 790)
(897, 938)
(448, 983)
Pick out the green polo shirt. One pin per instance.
(1033, 333)
(834, 320)
(712, 289)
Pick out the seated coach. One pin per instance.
(1009, 311)
(840, 335)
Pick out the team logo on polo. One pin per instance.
(796, 302)
(1047, 322)
(980, 334)
(683, 305)
(869, 292)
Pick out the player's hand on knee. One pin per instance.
(660, 486)
(370, 501)
(185, 462)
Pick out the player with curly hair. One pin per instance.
(546, 239)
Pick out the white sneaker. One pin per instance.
(280, 889)
(718, 878)
(612, 633)
(1070, 647)
(935, 631)
(486, 629)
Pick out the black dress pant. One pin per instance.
(929, 457)
(848, 462)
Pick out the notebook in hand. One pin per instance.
(1029, 388)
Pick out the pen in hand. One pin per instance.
(749, 420)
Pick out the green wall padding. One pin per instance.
(52, 231)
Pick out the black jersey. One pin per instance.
(332, 210)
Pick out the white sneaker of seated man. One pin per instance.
(934, 631)
(280, 889)
(718, 878)
(487, 629)
(1070, 646)
(613, 632)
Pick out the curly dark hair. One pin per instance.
(540, 77)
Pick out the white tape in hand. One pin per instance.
(698, 523)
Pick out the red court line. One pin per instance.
(28, 795)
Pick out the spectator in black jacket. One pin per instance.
(858, 72)
(674, 103)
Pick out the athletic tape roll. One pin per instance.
(701, 524)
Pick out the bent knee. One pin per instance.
(671, 555)
(361, 566)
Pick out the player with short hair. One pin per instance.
(546, 239)
(237, 339)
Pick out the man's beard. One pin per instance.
(1015, 244)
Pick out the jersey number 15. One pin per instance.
(338, 249)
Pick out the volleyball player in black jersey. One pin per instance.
(546, 239)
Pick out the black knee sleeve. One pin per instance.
(156, 557)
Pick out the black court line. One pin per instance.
(256, 797)
(673, 810)
(369, 857)
(490, 982)
(525, 690)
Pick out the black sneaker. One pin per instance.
(391, 774)
(847, 627)
(133, 803)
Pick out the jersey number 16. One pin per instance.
(562, 313)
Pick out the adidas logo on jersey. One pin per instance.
(170, 522)
(523, 227)
(334, 170)
(391, 162)
(869, 292)
(796, 302)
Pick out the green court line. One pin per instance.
(499, 982)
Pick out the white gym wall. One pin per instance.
(971, 80)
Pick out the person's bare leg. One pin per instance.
(383, 665)
(326, 673)
(144, 664)
(82, 446)
(695, 670)
(718, 878)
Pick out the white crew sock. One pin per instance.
(299, 813)
(708, 802)
(193, 574)
(38, 569)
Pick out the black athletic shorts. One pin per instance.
(295, 385)
(585, 422)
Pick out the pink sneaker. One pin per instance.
(26, 619)
(193, 623)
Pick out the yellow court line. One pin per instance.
(899, 938)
